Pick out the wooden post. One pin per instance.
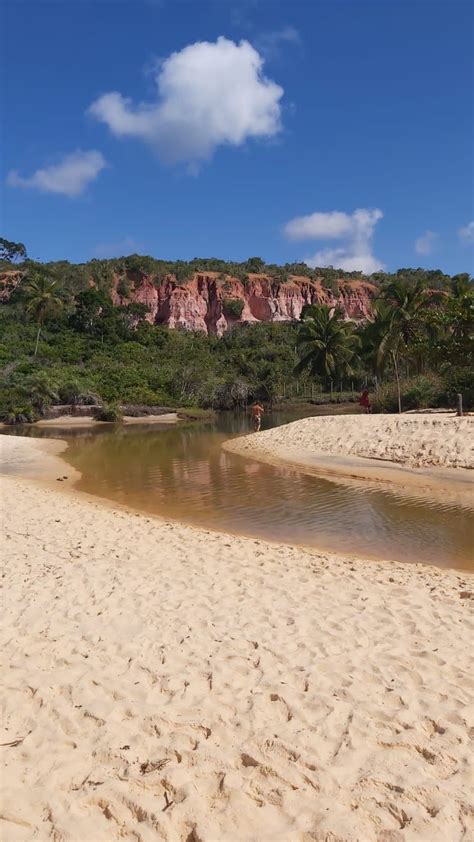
(459, 402)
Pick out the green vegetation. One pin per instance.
(40, 300)
(11, 252)
(233, 307)
(62, 341)
(111, 413)
(327, 344)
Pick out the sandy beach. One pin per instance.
(413, 440)
(162, 682)
(75, 421)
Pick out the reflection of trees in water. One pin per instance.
(184, 473)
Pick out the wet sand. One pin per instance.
(433, 453)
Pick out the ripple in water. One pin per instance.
(182, 473)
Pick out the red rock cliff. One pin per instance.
(202, 302)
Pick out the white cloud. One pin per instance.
(317, 226)
(208, 94)
(347, 260)
(467, 233)
(356, 229)
(270, 43)
(70, 176)
(426, 243)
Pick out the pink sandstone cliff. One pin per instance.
(200, 303)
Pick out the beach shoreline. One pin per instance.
(76, 422)
(361, 448)
(169, 682)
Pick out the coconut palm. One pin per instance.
(400, 320)
(41, 298)
(327, 345)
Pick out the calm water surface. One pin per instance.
(182, 473)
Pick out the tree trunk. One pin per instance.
(395, 363)
(37, 339)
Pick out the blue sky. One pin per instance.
(338, 132)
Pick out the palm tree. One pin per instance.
(398, 321)
(327, 344)
(41, 298)
(40, 391)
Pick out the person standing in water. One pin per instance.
(257, 412)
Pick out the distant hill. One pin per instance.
(211, 295)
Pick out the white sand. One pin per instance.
(413, 440)
(66, 421)
(167, 683)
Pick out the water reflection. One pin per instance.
(182, 472)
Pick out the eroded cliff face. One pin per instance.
(8, 283)
(202, 302)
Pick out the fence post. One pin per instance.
(459, 402)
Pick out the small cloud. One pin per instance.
(357, 229)
(270, 44)
(318, 226)
(69, 177)
(208, 95)
(119, 248)
(347, 260)
(467, 233)
(426, 243)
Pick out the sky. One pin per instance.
(337, 132)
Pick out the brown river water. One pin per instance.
(182, 473)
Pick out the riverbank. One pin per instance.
(67, 422)
(166, 682)
(433, 452)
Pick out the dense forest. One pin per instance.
(63, 341)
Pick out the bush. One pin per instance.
(72, 393)
(460, 380)
(420, 392)
(20, 415)
(109, 412)
(233, 307)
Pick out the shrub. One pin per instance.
(123, 288)
(459, 380)
(72, 393)
(109, 412)
(420, 392)
(69, 393)
(20, 415)
(233, 307)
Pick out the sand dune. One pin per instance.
(166, 683)
(414, 440)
